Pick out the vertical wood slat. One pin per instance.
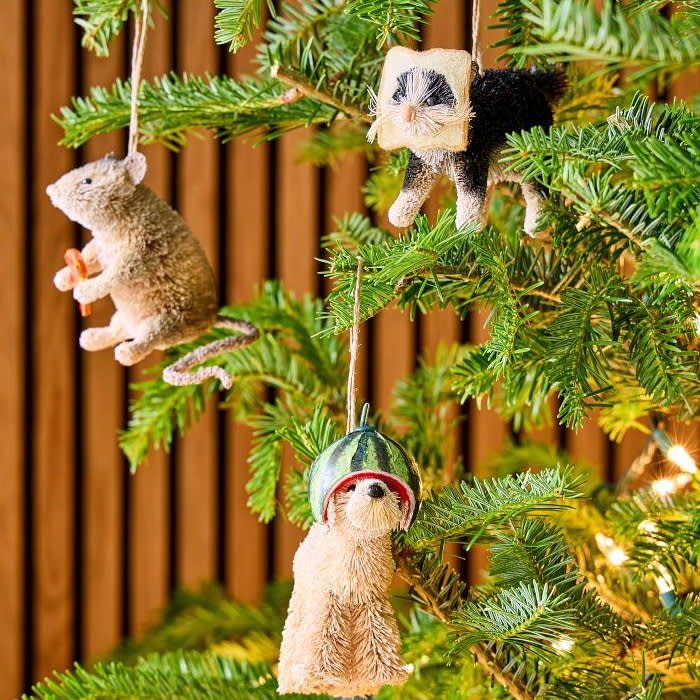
(148, 544)
(297, 246)
(247, 265)
(197, 455)
(12, 299)
(102, 410)
(52, 356)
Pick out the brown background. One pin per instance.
(89, 553)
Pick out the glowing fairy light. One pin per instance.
(674, 452)
(664, 583)
(648, 526)
(663, 580)
(669, 484)
(680, 457)
(614, 554)
(563, 644)
(663, 487)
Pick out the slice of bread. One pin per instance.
(456, 66)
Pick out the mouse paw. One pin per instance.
(83, 293)
(64, 280)
(125, 355)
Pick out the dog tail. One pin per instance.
(178, 374)
(551, 83)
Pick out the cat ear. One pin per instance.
(135, 165)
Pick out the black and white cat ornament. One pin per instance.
(454, 119)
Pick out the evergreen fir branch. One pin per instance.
(355, 230)
(237, 19)
(569, 30)
(466, 513)
(575, 341)
(324, 53)
(159, 411)
(173, 106)
(535, 550)
(178, 675)
(103, 20)
(529, 616)
(196, 620)
(295, 24)
(401, 18)
(292, 355)
(327, 147)
(424, 414)
(300, 83)
(307, 432)
(664, 364)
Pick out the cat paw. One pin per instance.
(64, 280)
(399, 217)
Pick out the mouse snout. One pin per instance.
(376, 490)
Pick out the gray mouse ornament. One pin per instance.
(146, 258)
(454, 119)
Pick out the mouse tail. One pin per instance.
(178, 373)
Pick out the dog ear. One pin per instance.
(405, 505)
(330, 511)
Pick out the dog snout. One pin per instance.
(376, 491)
(51, 190)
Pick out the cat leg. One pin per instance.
(471, 181)
(153, 333)
(417, 183)
(532, 194)
(100, 338)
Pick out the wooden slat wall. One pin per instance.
(89, 553)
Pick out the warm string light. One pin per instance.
(614, 554)
(563, 645)
(677, 455)
(617, 556)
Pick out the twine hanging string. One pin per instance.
(139, 48)
(476, 32)
(354, 346)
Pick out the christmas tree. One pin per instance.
(591, 590)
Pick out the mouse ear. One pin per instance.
(135, 165)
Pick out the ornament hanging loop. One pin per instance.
(137, 53)
(354, 347)
(476, 32)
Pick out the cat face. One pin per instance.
(422, 103)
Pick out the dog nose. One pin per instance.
(375, 491)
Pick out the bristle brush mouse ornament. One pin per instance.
(145, 257)
(455, 119)
(341, 636)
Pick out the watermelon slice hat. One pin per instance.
(364, 452)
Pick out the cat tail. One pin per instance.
(177, 373)
(551, 83)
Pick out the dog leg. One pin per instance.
(330, 665)
(377, 657)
